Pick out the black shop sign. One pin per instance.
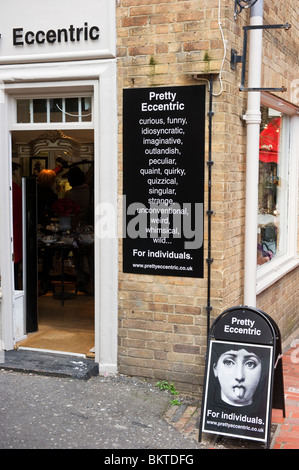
(163, 180)
(243, 378)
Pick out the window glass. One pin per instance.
(23, 111)
(273, 185)
(51, 110)
(56, 110)
(86, 109)
(40, 110)
(71, 109)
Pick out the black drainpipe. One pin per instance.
(210, 163)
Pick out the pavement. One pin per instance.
(67, 405)
(287, 434)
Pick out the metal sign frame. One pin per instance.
(243, 376)
(235, 58)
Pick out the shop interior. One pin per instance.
(55, 265)
(269, 185)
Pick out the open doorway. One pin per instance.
(64, 286)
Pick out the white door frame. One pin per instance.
(102, 74)
(6, 245)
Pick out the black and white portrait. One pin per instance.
(237, 388)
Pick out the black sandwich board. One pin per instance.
(243, 376)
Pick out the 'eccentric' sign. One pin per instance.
(20, 38)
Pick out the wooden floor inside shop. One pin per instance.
(65, 328)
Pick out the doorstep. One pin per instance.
(44, 363)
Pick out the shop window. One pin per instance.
(52, 110)
(273, 185)
(277, 191)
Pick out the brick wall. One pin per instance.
(281, 303)
(281, 58)
(162, 320)
(281, 67)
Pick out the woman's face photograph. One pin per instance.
(239, 373)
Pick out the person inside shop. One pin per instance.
(80, 194)
(45, 198)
